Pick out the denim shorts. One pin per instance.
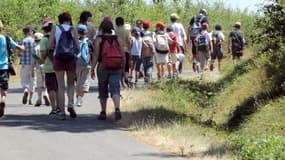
(137, 61)
(218, 54)
(109, 81)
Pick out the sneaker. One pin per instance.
(211, 67)
(30, 102)
(102, 116)
(61, 116)
(2, 106)
(54, 111)
(194, 67)
(47, 103)
(72, 113)
(118, 115)
(79, 101)
(38, 103)
(25, 98)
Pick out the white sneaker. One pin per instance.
(79, 101)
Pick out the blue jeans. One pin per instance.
(109, 81)
(147, 65)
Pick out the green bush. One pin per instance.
(259, 148)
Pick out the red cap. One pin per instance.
(160, 25)
(107, 18)
(46, 22)
(146, 24)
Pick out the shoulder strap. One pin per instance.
(8, 47)
(61, 28)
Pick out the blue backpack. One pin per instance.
(83, 57)
(66, 48)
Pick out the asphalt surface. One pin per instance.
(28, 133)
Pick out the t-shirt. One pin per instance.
(4, 53)
(178, 29)
(221, 36)
(26, 55)
(123, 34)
(48, 66)
(173, 45)
(136, 46)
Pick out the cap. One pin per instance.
(38, 36)
(28, 28)
(174, 15)
(82, 28)
(146, 24)
(107, 18)
(1, 24)
(160, 25)
(136, 29)
(46, 22)
(203, 11)
(204, 25)
(237, 24)
(139, 22)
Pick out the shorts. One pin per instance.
(218, 54)
(172, 58)
(4, 78)
(109, 81)
(69, 65)
(201, 57)
(51, 82)
(236, 54)
(27, 80)
(40, 77)
(161, 58)
(136, 61)
(82, 76)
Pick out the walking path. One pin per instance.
(27, 133)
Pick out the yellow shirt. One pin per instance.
(123, 37)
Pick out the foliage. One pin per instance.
(259, 147)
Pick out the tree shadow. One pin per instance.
(84, 123)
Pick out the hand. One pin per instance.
(93, 74)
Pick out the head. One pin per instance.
(119, 21)
(174, 17)
(107, 18)
(1, 26)
(169, 29)
(106, 27)
(203, 11)
(160, 26)
(146, 24)
(28, 30)
(135, 31)
(38, 36)
(237, 25)
(65, 18)
(47, 25)
(139, 23)
(85, 17)
(82, 30)
(204, 26)
(218, 27)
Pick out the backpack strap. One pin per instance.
(8, 47)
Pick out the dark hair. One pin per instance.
(65, 17)
(47, 28)
(218, 27)
(119, 21)
(169, 29)
(106, 27)
(84, 16)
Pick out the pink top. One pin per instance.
(173, 46)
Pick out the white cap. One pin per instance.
(174, 15)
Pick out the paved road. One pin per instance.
(27, 133)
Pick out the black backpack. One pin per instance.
(11, 69)
(66, 48)
(237, 40)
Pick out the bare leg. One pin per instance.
(61, 88)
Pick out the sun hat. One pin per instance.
(174, 15)
(38, 36)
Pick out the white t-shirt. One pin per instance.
(136, 46)
(178, 29)
(220, 35)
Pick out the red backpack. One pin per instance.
(111, 53)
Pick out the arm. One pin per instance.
(51, 41)
(229, 43)
(95, 56)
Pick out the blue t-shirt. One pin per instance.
(4, 53)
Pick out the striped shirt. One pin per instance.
(26, 55)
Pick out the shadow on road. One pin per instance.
(83, 123)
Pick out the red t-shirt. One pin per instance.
(173, 46)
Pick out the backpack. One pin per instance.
(11, 69)
(111, 53)
(216, 41)
(147, 50)
(237, 40)
(66, 48)
(161, 44)
(83, 57)
(195, 28)
(203, 42)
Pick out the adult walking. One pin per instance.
(236, 42)
(6, 43)
(85, 18)
(108, 78)
(179, 30)
(64, 40)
